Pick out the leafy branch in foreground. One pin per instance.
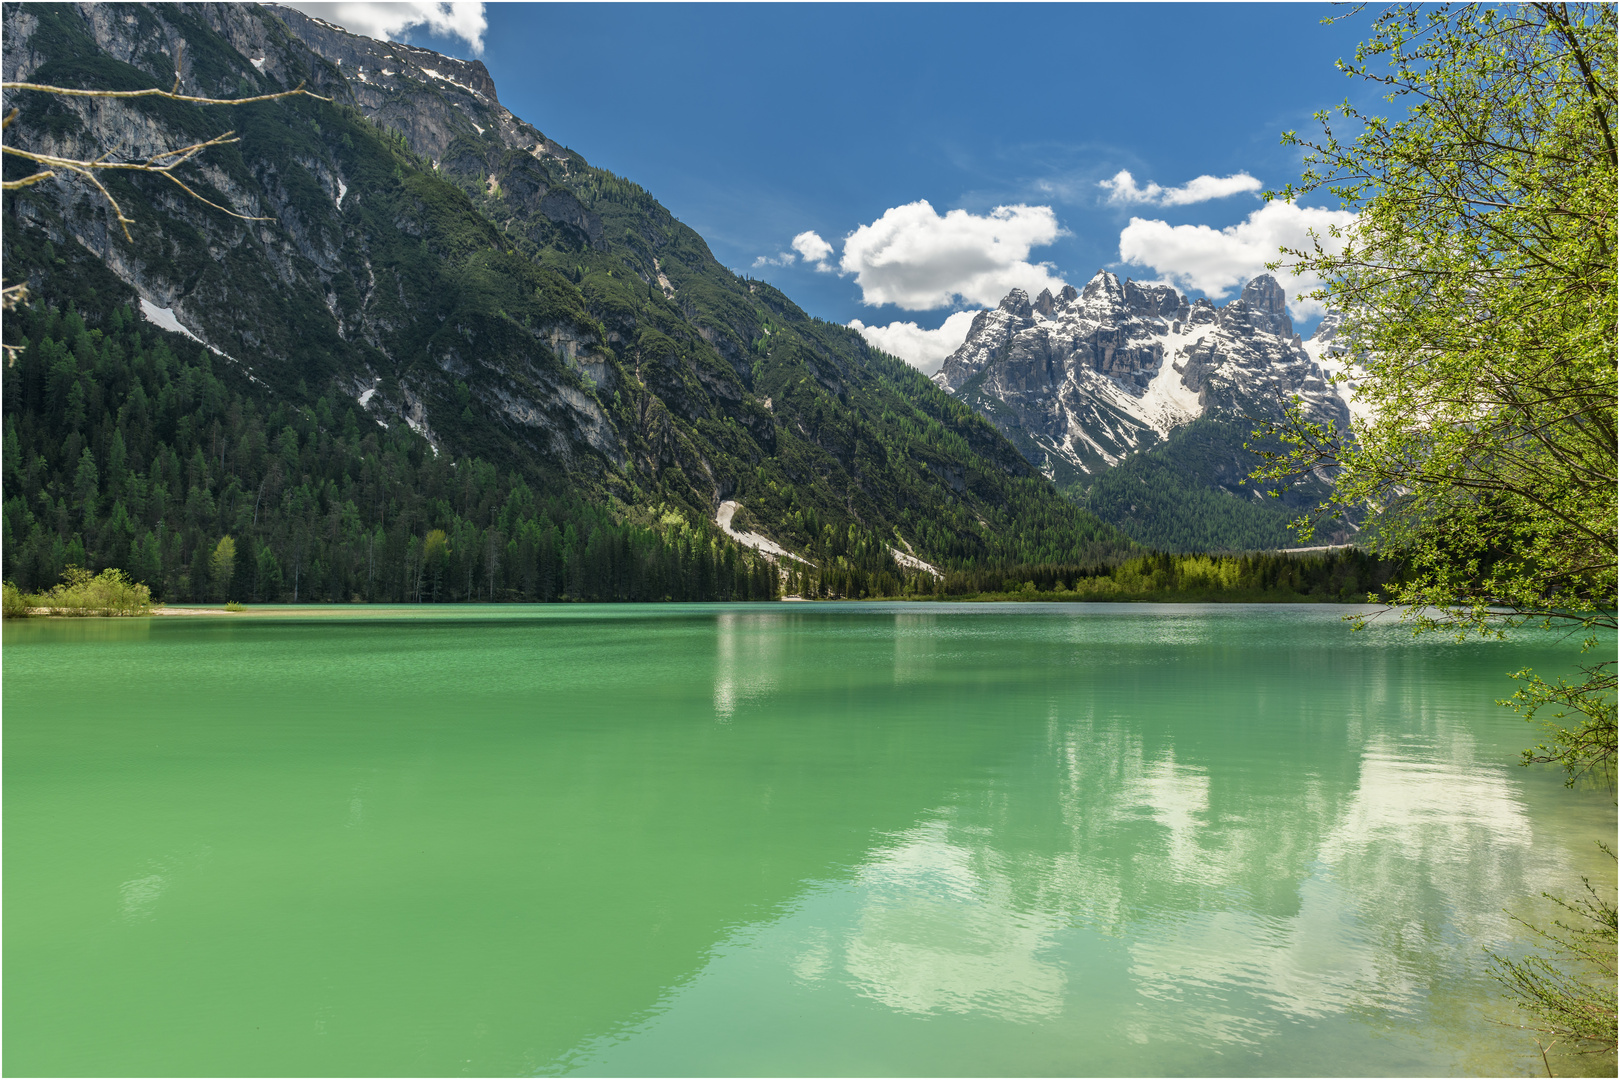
(1569, 1006)
(1477, 288)
(1581, 725)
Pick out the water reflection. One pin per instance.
(938, 931)
(1177, 799)
(1118, 842)
(138, 896)
(1405, 888)
(916, 643)
(748, 653)
(1302, 843)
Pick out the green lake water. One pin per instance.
(774, 839)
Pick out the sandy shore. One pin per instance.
(157, 609)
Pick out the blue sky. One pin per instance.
(756, 124)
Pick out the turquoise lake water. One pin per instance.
(814, 839)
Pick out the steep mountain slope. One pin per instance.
(1139, 403)
(432, 262)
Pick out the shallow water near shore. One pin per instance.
(810, 839)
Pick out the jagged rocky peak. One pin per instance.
(1103, 286)
(1151, 300)
(1264, 306)
(1265, 293)
(385, 60)
(1049, 305)
(1105, 295)
(1016, 303)
(1080, 380)
(430, 98)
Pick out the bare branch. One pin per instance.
(168, 95)
(162, 163)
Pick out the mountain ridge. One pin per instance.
(1119, 375)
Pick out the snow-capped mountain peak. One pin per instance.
(1083, 379)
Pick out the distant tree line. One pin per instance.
(1340, 576)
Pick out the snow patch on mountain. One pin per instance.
(911, 562)
(762, 544)
(166, 318)
(1327, 348)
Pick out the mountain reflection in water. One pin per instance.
(1230, 902)
(808, 839)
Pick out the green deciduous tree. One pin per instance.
(1477, 286)
(1478, 290)
(223, 565)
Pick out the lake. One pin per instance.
(820, 839)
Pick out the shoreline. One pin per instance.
(977, 599)
(157, 609)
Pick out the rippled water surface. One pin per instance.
(794, 839)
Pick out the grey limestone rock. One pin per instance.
(317, 254)
(1152, 299)
(1112, 368)
(1265, 294)
(1017, 303)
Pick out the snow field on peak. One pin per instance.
(1338, 369)
(1121, 365)
(1168, 403)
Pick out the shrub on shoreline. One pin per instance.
(110, 592)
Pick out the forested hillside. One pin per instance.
(149, 455)
(477, 335)
(1193, 493)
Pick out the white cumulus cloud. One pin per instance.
(923, 349)
(1122, 189)
(1215, 261)
(808, 244)
(814, 249)
(387, 21)
(919, 260)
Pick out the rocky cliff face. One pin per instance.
(447, 111)
(1081, 380)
